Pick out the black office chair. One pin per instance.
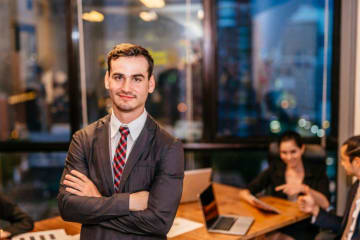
(313, 153)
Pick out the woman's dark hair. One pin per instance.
(291, 135)
(353, 147)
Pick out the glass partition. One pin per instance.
(274, 67)
(173, 33)
(32, 181)
(34, 101)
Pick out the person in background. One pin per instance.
(123, 173)
(19, 221)
(288, 179)
(346, 227)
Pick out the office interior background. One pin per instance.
(231, 76)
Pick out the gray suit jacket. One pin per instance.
(336, 223)
(155, 164)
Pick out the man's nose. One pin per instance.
(126, 85)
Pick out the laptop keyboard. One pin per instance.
(224, 223)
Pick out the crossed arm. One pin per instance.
(80, 185)
(80, 199)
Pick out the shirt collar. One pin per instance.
(134, 126)
(357, 195)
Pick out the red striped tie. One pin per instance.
(120, 157)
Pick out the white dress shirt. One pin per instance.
(353, 216)
(135, 128)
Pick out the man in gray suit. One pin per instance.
(123, 173)
(348, 226)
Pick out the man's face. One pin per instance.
(345, 161)
(129, 84)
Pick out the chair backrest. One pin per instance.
(313, 153)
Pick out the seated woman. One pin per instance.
(20, 222)
(288, 179)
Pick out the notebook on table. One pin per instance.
(195, 181)
(228, 224)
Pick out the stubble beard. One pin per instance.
(123, 107)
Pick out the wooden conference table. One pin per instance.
(228, 203)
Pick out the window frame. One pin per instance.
(209, 140)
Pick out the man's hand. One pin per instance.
(138, 201)
(4, 234)
(291, 189)
(307, 204)
(78, 184)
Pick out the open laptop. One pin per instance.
(195, 181)
(229, 224)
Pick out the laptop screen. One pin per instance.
(209, 207)
(195, 181)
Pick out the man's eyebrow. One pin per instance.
(138, 75)
(134, 75)
(118, 74)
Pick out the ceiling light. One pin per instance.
(148, 16)
(93, 16)
(153, 3)
(200, 14)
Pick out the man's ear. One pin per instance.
(356, 162)
(152, 84)
(106, 80)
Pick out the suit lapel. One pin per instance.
(103, 155)
(140, 146)
(351, 196)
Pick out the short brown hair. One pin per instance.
(130, 50)
(353, 147)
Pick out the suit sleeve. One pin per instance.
(322, 183)
(328, 220)
(164, 198)
(20, 221)
(81, 209)
(260, 182)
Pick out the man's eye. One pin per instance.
(138, 79)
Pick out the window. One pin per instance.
(34, 102)
(32, 181)
(274, 67)
(173, 33)
(33, 80)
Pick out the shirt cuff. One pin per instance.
(313, 219)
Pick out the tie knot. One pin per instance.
(124, 131)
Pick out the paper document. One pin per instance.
(73, 237)
(58, 234)
(264, 206)
(182, 225)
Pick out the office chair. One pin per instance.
(313, 153)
